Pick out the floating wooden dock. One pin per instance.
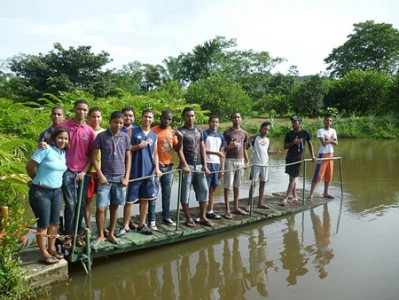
(166, 234)
(41, 275)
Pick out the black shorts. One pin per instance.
(294, 169)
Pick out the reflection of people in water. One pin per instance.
(258, 264)
(167, 288)
(291, 257)
(233, 286)
(323, 254)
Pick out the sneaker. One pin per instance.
(169, 222)
(144, 230)
(122, 231)
(153, 226)
(212, 215)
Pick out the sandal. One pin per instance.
(80, 243)
(240, 212)
(67, 245)
(49, 260)
(190, 223)
(206, 223)
(57, 255)
(263, 206)
(228, 216)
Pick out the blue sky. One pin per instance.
(303, 32)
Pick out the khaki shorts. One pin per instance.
(234, 170)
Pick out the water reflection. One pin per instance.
(292, 257)
(321, 251)
(300, 256)
(258, 263)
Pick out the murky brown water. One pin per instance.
(347, 249)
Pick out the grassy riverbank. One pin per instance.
(374, 127)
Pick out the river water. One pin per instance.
(347, 249)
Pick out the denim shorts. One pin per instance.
(213, 178)
(198, 180)
(46, 205)
(112, 193)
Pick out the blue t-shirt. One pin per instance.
(143, 159)
(51, 167)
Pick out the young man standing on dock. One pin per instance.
(193, 163)
(113, 175)
(324, 168)
(260, 146)
(294, 141)
(81, 139)
(144, 164)
(236, 160)
(214, 145)
(168, 140)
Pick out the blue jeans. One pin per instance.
(163, 183)
(71, 191)
(196, 179)
(46, 205)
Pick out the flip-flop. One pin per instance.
(67, 245)
(190, 223)
(49, 260)
(328, 196)
(265, 206)
(57, 255)
(240, 212)
(206, 223)
(113, 241)
(228, 216)
(80, 243)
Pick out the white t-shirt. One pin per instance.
(260, 146)
(327, 134)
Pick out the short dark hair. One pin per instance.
(128, 108)
(55, 133)
(80, 101)
(148, 110)
(187, 109)
(116, 115)
(166, 112)
(58, 107)
(211, 118)
(93, 109)
(264, 124)
(233, 113)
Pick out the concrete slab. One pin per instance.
(40, 274)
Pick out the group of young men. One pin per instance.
(136, 163)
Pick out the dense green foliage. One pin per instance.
(373, 46)
(219, 95)
(220, 78)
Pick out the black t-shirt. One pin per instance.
(297, 151)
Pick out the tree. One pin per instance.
(61, 70)
(307, 97)
(219, 55)
(220, 95)
(372, 46)
(361, 92)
